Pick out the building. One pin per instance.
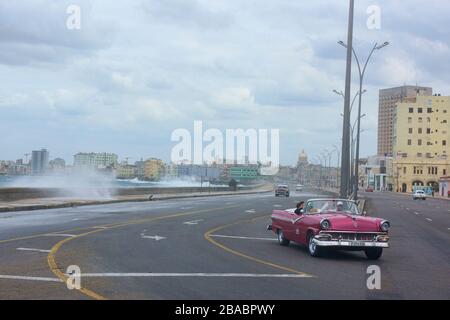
(421, 137)
(444, 186)
(139, 168)
(376, 172)
(39, 161)
(125, 171)
(95, 160)
(153, 169)
(388, 98)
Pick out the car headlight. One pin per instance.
(325, 224)
(385, 225)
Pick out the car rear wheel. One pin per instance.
(313, 248)
(281, 239)
(373, 253)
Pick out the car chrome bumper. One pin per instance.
(350, 243)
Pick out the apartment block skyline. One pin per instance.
(388, 98)
(421, 134)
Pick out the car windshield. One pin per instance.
(321, 206)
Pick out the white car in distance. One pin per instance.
(419, 194)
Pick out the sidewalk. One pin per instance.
(54, 203)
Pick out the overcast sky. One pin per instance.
(138, 69)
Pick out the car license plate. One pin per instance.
(357, 243)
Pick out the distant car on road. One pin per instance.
(331, 223)
(419, 194)
(369, 189)
(299, 187)
(282, 190)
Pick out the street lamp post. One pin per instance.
(346, 123)
(352, 176)
(338, 161)
(362, 72)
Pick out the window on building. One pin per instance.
(420, 130)
(420, 110)
(444, 172)
(419, 142)
(428, 130)
(409, 120)
(410, 130)
(445, 121)
(419, 155)
(420, 120)
(404, 170)
(411, 110)
(409, 142)
(444, 142)
(429, 110)
(428, 119)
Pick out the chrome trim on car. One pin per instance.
(350, 244)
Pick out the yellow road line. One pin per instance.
(51, 260)
(208, 237)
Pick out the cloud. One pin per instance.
(139, 69)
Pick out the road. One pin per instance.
(215, 248)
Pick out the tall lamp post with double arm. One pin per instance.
(362, 72)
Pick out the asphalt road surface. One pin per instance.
(215, 248)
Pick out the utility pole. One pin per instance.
(345, 164)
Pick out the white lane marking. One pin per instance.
(429, 219)
(238, 237)
(408, 209)
(156, 237)
(99, 227)
(59, 235)
(3, 276)
(277, 205)
(416, 213)
(240, 275)
(186, 208)
(250, 211)
(193, 222)
(32, 249)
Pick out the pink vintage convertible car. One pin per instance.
(331, 223)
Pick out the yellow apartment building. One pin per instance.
(421, 137)
(153, 169)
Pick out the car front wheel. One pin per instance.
(281, 239)
(313, 248)
(373, 253)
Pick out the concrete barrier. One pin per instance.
(15, 194)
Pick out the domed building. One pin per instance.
(302, 159)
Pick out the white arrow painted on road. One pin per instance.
(156, 237)
(193, 222)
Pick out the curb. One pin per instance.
(100, 202)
